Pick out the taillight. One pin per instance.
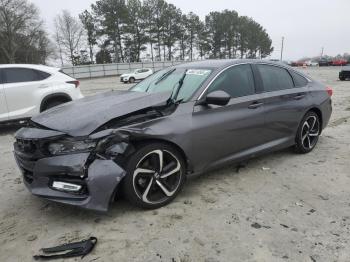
(329, 91)
(75, 82)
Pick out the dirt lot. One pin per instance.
(281, 207)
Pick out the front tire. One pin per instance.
(155, 175)
(308, 133)
(131, 80)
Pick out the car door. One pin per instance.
(231, 132)
(138, 74)
(3, 104)
(142, 73)
(284, 102)
(20, 85)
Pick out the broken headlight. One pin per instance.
(66, 146)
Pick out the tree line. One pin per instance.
(135, 30)
(23, 38)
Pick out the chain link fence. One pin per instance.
(103, 70)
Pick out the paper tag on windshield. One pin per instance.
(198, 72)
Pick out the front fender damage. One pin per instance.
(103, 178)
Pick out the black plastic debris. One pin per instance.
(256, 225)
(75, 249)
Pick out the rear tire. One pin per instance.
(308, 133)
(155, 175)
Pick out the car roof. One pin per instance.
(223, 63)
(31, 66)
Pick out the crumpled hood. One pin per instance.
(82, 117)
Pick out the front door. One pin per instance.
(231, 132)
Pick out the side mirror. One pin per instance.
(219, 98)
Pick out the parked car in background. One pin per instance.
(298, 63)
(311, 63)
(344, 73)
(138, 74)
(339, 62)
(27, 90)
(181, 121)
(324, 62)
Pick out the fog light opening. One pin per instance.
(64, 186)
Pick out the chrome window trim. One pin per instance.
(250, 63)
(296, 72)
(286, 68)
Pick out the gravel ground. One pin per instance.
(280, 207)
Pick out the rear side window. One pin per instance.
(299, 81)
(19, 75)
(275, 78)
(42, 75)
(237, 81)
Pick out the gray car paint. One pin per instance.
(82, 117)
(207, 136)
(102, 178)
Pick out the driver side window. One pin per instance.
(237, 81)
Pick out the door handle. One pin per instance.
(255, 105)
(44, 86)
(299, 96)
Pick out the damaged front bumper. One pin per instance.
(93, 181)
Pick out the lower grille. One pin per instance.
(25, 164)
(28, 176)
(27, 153)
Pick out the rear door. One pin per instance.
(20, 85)
(3, 105)
(142, 73)
(224, 133)
(285, 100)
(138, 74)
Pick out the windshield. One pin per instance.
(168, 80)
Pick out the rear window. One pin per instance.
(62, 72)
(19, 75)
(299, 81)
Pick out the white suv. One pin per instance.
(138, 74)
(26, 90)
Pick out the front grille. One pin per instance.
(27, 153)
(26, 146)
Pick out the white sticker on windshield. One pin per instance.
(198, 72)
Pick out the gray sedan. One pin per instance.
(179, 122)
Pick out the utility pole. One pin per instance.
(322, 52)
(282, 48)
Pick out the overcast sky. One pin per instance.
(307, 25)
